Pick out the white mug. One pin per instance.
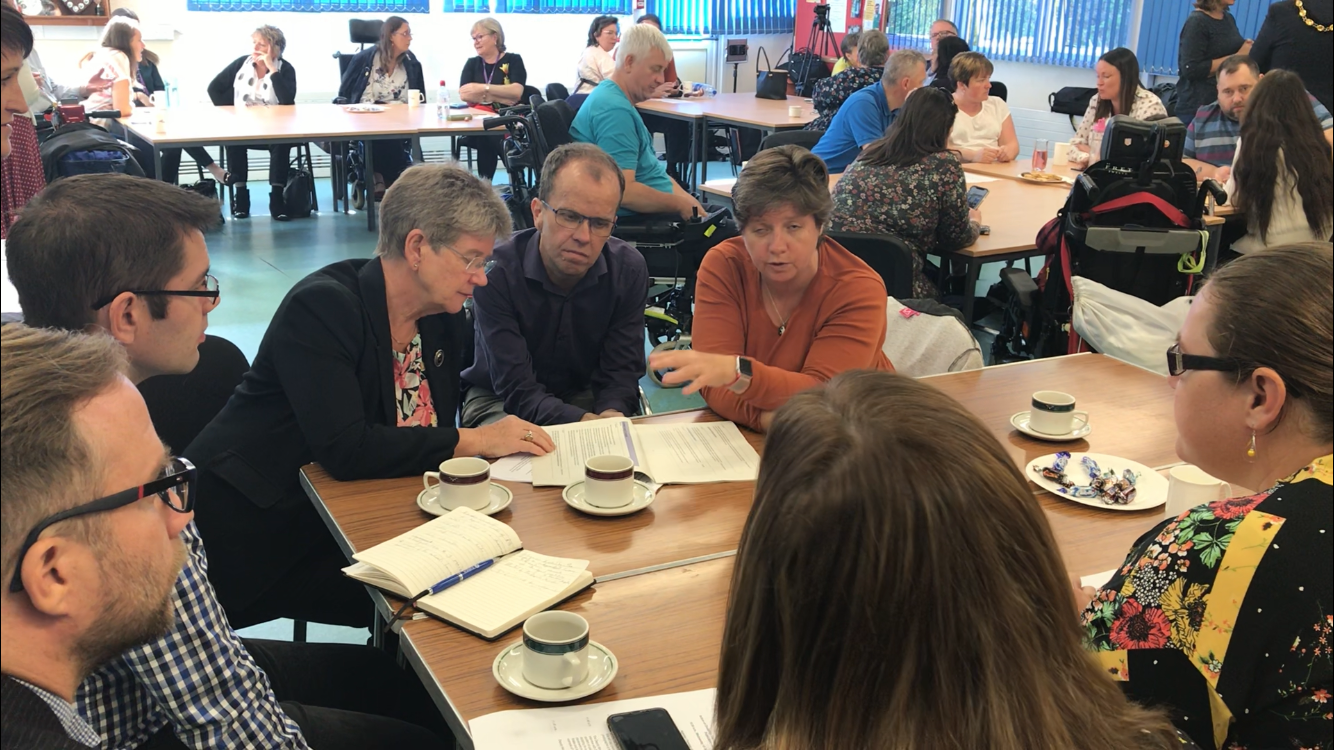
(1060, 153)
(555, 649)
(415, 97)
(1054, 413)
(794, 110)
(609, 481)
(1188, 486)
(461, 482)
(158, 98)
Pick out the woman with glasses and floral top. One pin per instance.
(378, 75)
(1223, 613)
(495, 78)
(359, 372)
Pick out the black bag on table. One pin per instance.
(769, 83)
(805, 69)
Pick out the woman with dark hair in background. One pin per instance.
(946, 50)
(1208, 37)
(260, 79)
(385, 73)
(872, 607)
(1298, 35)
(1119, 93)
(909, 183)
(596, 63)
(1283, 180)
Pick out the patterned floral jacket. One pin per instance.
(830, 93)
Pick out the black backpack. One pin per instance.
(296, 194)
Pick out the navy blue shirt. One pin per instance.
(863, 118)
(538, 345)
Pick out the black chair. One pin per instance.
(804, 138)
(557, 91)
(886, 254)
(181, 405)
(1000, 91)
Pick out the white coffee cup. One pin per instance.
(158, 98)
(1054, 413)
(461, 482)
(415, 97)
(609, 481)
(1060, 153)
(794, 110)
(555, 649)
(1188, 486)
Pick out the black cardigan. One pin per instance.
(222, 90)
(27, 722)
(321, 389)
(358, 75)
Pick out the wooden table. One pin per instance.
(665, 626)
(294, 123)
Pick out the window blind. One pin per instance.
(909, 24)
(723, 17)
(1072, 33)
(313, 6)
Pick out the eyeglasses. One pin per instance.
(176, 488)
(474, 262)
(942, 34)
(211, 289)
(597, 226)
(480, 37)
(404, 33)
(1178, 362)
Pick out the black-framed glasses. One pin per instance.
(597, 225)
(211, 290)
(1178, 362)
(176, 488)
(474, 262)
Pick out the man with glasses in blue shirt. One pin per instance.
(85, 579)
(560, 322)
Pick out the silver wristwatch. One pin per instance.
(743, 374)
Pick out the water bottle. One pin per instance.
(442, 102)
(704, 89)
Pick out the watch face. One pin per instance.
(743, 366)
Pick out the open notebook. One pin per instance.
(675, 453)
(520, 584)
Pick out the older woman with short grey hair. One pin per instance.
(359, 372)
(495, 78)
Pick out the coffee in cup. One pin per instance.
(462, 482)
(1054, 413)
(1188, 486)
(555, 649)
(609, 481)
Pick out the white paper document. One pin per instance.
(971, 178)
(1098, 580)
(584, 727)
(686, 453)
(515, 468)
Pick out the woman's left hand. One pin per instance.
(698, 369)
(472, 92)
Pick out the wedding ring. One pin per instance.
(528, 436)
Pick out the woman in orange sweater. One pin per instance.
(781, 308)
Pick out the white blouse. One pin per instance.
(972, 132)
(595, 66)
(249, 90)
(386, 87)
(1287, 217)
(104, 69)
(1147, 106)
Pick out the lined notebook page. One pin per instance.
(522, 582)
(441, 548)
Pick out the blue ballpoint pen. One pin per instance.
(467, 573)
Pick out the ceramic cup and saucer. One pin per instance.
(609, 488)
(462, 482)
(1053, 418)
(555, 661)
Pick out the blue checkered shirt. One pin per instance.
(74, 725)
(198, 679)
(1212, 136)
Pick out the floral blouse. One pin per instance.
(412, 392)
(1223, 615)
(830, 93)
(1147, 106)
(925, 204)
(386, 87)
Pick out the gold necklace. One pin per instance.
(782, 327)
(1301, 11)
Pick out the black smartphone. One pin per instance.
(650, 729)
(975, 196)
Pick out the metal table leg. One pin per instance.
(368, 179)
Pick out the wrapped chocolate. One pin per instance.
(1104, 484)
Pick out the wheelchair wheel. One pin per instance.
(358, 196)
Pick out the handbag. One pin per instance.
(769, 83)
(296, 194)
(207, 187)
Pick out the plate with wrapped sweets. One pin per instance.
(1099, 480)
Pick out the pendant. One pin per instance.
(781, 329)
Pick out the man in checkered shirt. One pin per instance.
(200, 685)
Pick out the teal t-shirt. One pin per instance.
(609, 121)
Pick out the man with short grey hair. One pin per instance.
(560, 322)
(867, 115)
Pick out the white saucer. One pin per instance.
(429, 500)
(1150, 486)
(508, 671)
(574, 497)
(1081, 431)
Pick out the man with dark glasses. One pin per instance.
(93, 510)
(560, 322)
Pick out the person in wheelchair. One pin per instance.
(560, 322)
(782, 308)
(380, 74)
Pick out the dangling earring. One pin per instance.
(1250, 450)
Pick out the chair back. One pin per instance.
(182, 405)
(804, 138)
(886, 254)
(1000, 91)
(364, 31)
(552, 121)
(557, 91)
